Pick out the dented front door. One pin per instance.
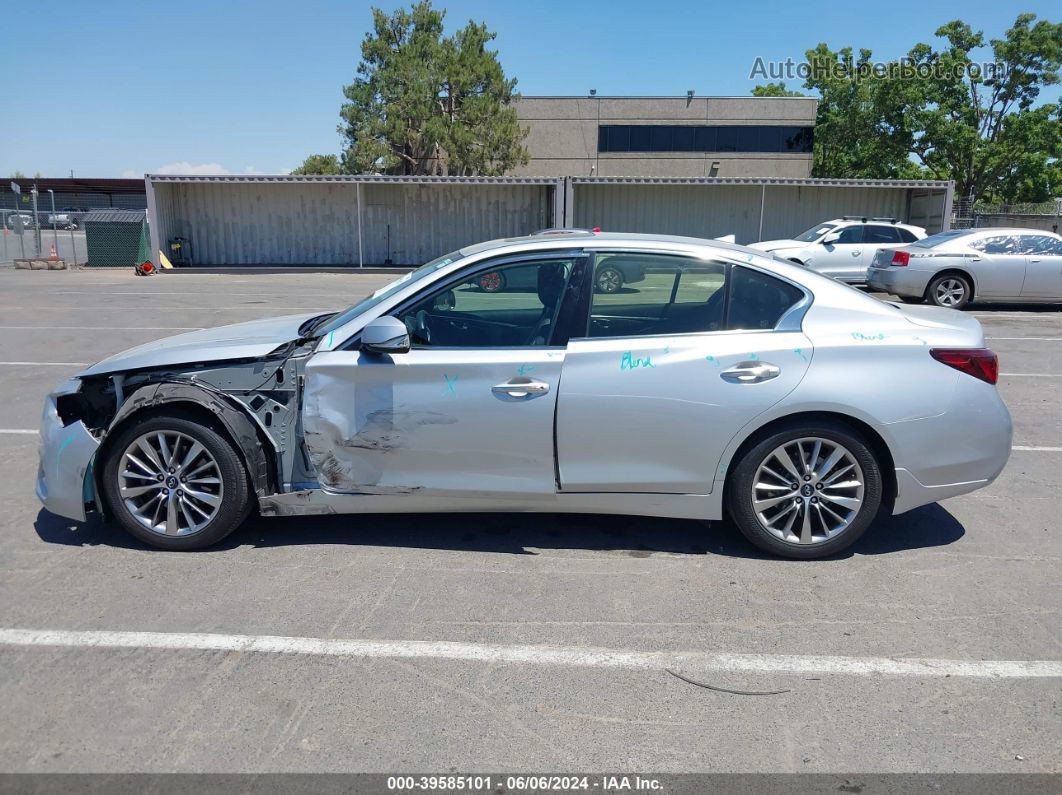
(447, 421)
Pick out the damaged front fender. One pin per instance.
(64, 476)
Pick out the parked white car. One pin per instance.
(844, 247)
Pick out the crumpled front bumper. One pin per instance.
(64, 476)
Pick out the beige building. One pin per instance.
(736, 137)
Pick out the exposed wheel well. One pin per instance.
(195, 412)
(872, 437)
(957, 272)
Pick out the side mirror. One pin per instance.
(831, 239)
(385, 335)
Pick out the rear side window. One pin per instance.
(881, 234)
(1000, 244)
(758, 301)
(906, 235)
(655, 294)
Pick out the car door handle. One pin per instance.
(750, 372)
(856, 253)
(521, 388)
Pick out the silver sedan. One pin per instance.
(962, 265)
(724, 383)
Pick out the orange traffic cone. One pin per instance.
(53, 254)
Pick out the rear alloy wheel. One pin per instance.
(608, 280)
(493, 282)
(176, 484)
(806, 493)
(950, 290)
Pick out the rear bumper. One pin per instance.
(954, 453)
(908, 282)
(64, 476)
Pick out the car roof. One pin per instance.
(582, 237)
(869, 220)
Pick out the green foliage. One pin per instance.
(424, 103)
(775, 90)
(319, 164)
(934, 114)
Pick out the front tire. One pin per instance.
(807, 491)
(175, 484)
(949, 290)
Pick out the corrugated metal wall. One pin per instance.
(317, 224)
(716, 210)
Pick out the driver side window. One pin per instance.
(511, 306)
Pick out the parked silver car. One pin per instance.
(962, 265)
(723, 383)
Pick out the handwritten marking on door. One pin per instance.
(712, 360)
(450, 390)
(921, 340)
(630, 362)
(858, 335)
(524, 369)
(800, 352)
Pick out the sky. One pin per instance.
(110, 88)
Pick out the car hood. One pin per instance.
(773, 245)
(238, 341)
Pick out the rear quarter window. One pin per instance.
(757, 300)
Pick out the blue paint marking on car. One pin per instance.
(629, 362)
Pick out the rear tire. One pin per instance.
(147, 496)
(608, 280)
(949, 290)
(819, 517)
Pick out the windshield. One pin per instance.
(940, 238)
(383, 293)
(814, 233)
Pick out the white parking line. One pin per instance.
(46, 364)
(1029, 375)
(1035, 339)
(567, 656)
(16, 430)
(1037, 449)
(106, 328)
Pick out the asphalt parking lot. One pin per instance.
(974, 578)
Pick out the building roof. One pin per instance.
(75, 184)
(116, 216)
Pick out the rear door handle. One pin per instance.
(521, 387)
(856, 253)
(750, 372)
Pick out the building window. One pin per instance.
(703, 138)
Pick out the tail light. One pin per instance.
(901, 258)
(978, 362)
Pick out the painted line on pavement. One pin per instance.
(1029, 375)
(46, 364)
(106, 328)
(1028, 448)
(567, 656)
(16, 430)
(1035, 339)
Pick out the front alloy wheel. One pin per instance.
(805, 492)
(175, 482)
(170, 483)
(608, 280)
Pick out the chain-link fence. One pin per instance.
(28, 235)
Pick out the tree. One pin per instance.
(775, 90)
(979, 127)
(935, 114)
(319, 164)
(423, 103)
